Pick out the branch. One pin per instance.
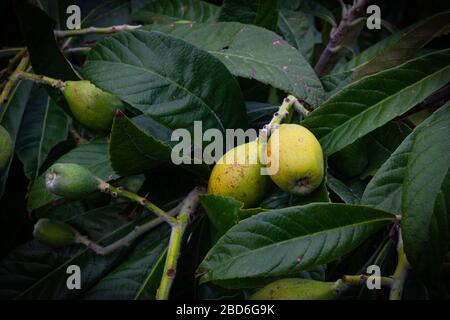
(56, 83)
(401, 271)
(189, 206)
(12, 63)
(126, 240)
(23, 65)
(94, 30)
(347, 281)
(343, 36)
(120, 192)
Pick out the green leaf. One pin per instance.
(298, 31)
(409, 183)
(373, 101)
(225, 212)
(381, 143)
(349, 192)
(252, 52)
(138, 276)
(92, 155)
(263, 13)
(310, 7)
(399, 47)
(166, 11)
(155, 73)
(284, 242)
(44, 125)
(428, 163)
(132, 150)
(11, 115)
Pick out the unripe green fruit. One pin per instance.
(240, 176)
(54, 233)
(70, 180)
(299, 156)
(91, 106)
(297, 289)
(6, 148)
(350, 161)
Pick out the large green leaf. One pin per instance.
(132, 150)
(297, 29)
(399, 47)
(44, 125)
(168, 79)
(350, 191)
(165, 11)
(409, 184)
(373, 101)
(284, 242)
(11, 114)
(138, 276)
(263, 13)
(92, 155)
(428, 163)
(252, 52)
(225, 212)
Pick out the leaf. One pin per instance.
(373, 101)
(399, 47)
(252, 52)
(263, 13)
(310, 7)
(44, 125)
(225, 212)
(297, 31)
(381, 143)
(132, 150)
(282, 243)
(92, 155)
(45, 56)
(37, 271)
(428, 163)
(349, 193)
(168, 79)
(166, 11)
(138, 276)
(11, 117)
(399, 187)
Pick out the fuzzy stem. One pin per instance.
(23, 65)
(119, 192)
(56, 83)
(12, 63)
(94, 30)
(176, 237)
(126, 240)
(342, 36)
(400, 273)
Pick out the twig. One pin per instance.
(189, 206)
(126, 240)
(75, 135)
(401, 271)
(39, 79)
(347, 281)
(344, 35)
(12, 63)
(94, 30)
(23, 64)
(119, 192)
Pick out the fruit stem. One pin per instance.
(120, 192)
(23, 65)
(40, 79)
(127, 239)
(401, 271)
(94, 30)
(12, 63)
(190, 204)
